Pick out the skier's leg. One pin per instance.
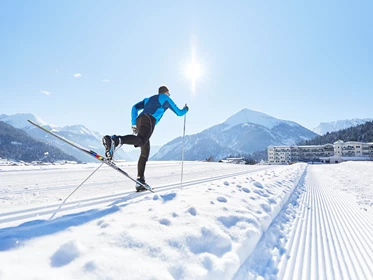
(145, 125)
(141, 164)
(145, 129)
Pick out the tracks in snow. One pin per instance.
(29, 213)
(321, 233)
(333, 237)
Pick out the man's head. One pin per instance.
(163, 90)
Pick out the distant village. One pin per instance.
(329, 153)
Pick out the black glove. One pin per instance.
(186, 107)
(134, 129)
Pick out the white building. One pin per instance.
(328, 153)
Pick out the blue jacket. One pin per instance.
(155, 106)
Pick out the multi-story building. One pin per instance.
(337, 152)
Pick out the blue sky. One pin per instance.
(304, 61)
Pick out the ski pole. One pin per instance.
(63, 202)
(182, 152)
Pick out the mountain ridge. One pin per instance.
(243, 133)
(16, 144)
(325, 127)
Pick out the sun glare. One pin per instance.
(193, 71)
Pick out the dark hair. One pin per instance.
(162, 89)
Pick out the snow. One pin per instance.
(20, 120)
(250, 116)
(323, 127)
(227, 222)
(81, 130)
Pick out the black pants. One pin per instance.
(145, 127)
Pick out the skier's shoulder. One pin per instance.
(152, 98)
(164, 97)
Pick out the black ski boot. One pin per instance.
(109, 145)
(140, 188)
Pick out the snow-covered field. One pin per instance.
(226, 222)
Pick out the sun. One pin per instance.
(193, 71)
(193, 68)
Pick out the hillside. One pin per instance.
(326, 127)
(360, 133)
(15, 144)
(243, 133)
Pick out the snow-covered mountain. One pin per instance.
(323, 128)
(76, 133)
(243, 133)
(20, 120)
(17, 145)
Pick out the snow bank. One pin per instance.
(205, 231)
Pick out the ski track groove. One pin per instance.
(50, 209)
(335, 240)
(345, 244)
(293, 234)
(339, 216)
(328, 254)
(54, 188)
(294, 240)
(301, 263)
(356, 230)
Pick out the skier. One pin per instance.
(143, 125)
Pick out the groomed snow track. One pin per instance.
(321, 233)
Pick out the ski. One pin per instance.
(91, 153)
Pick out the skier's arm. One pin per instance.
(171, 104)
(135, 109)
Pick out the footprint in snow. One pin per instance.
(90, 266)
(232, 220)
(165, 222)
(246, 190)
(102, 224)
(258, 185)
(168, 197)
(209, 241)
(192, 211)
(221, 199)
(65, 254)
(266, 208)
(226, 183)
(272, 201)
(261, 193)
